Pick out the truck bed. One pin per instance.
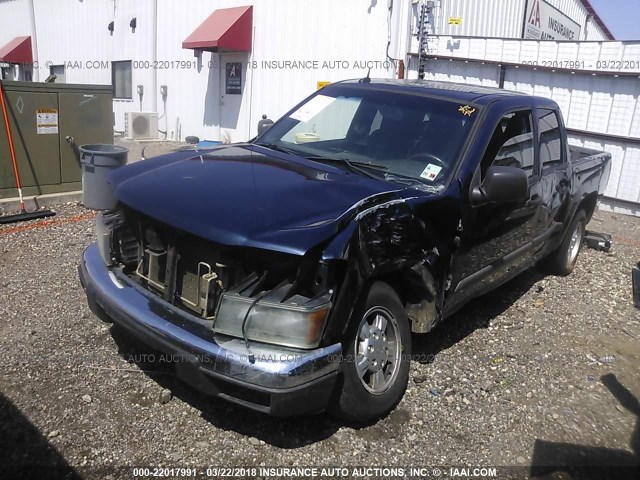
(586, 164)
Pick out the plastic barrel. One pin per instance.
(98, 161)
(635, 280)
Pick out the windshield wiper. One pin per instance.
(412, 182)
(400, 178)
(353, 166)
(278, 148)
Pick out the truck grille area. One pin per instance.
(193, 273)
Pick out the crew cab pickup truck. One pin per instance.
(288, 274)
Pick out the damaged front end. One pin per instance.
(260, 327)
(253, 294)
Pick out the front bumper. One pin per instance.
(281, 381)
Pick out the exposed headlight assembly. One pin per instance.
(296, 322)
(105, 223)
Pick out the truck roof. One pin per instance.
(462, 92)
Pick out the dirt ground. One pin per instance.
(540, 374)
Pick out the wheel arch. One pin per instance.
(418, 292)
(588, 204)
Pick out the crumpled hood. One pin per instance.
(246, 195)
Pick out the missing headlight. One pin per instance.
(105, 224)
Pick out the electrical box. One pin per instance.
(41, 116)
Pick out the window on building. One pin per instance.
(511, 144)
(58, 71)
(550, 139)
(121, 79)
(6, 73)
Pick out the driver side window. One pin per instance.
(511, 144)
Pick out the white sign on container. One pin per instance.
(47, 121)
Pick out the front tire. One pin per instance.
(377, 357)
(563, 260)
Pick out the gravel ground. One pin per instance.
(543, 371)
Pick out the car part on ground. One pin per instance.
(598, 241)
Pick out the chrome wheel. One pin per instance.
(575, 243)
(378, 348)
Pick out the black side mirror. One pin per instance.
(501, 185)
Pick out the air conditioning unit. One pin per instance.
(141, 125)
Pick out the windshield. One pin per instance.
(385, 134)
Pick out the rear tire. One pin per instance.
(563, 260)
(376, 360)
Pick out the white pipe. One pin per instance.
(34, 41)
(408, 38)
(154, 77)
(253, 42)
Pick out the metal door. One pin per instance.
(233, 88)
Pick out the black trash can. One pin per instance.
(98, 161)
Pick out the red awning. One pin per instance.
(226, 29)
(17, 50)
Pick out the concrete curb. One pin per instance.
(10, 205)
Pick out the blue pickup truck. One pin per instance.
(288, 274)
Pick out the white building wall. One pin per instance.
(594, 32)
(282, 31)
(485, 18)
(625, 171)
(187, 88)
(600, 104)
(609, 56)
(473, 73)
(576, 10)
(502, 18)
(15, 20)
(75, 33)
(358, 32)
(604, 106)
(80, 37)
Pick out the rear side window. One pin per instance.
(550, 139)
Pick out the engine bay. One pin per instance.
(227, 287)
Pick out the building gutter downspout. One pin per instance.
(524, 18)
(154, 78)
(34, 42)
(408, 36)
